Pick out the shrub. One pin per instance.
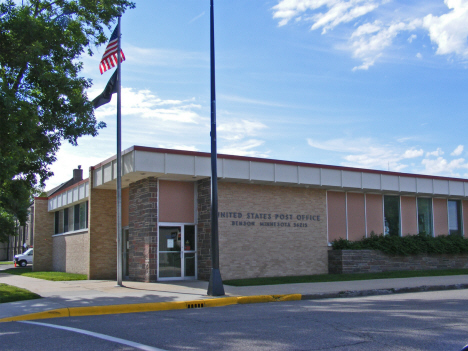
(406, 245)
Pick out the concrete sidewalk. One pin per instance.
(100, 296)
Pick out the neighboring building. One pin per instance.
(276, 218)
(17, 244)
(24, 237)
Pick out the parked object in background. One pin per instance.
(24, 258)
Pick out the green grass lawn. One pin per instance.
(10, 293)
(6, 262)
(320, 278)
(54, 276)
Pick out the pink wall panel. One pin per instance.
(336, 215)
(409, 223)
(440, 216)
(356, 216)
(374, 208)
(176, 202)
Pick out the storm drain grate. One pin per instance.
(195, 305)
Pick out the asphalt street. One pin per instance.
(415, 321)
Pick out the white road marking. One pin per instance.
(98, 335)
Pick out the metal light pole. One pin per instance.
(215, 286)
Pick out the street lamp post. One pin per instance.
(215, 286)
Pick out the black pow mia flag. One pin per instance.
(106, 96)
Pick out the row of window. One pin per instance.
(71, 218)
(392, 220)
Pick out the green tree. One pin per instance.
(43, 99)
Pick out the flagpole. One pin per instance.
(215, 286)
(119, 164)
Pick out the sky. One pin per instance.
(376, 84)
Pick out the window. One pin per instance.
(425, 216)
(75, 217)
(83, 216)
(65, 220)
(392, 215)
(76, 222)
(57, 222)
(71, 225)
(454, 217)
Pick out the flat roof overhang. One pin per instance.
(142, 162)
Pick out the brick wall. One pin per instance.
(143, 230)
(204, 228)
(102, 233)
(44, 222)
(286, 233)
(370, 261)
(71, 253)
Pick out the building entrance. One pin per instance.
(177, 252)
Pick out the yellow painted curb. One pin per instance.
(220, 301)
(61, 312)
(151, 306)
(290, 297)
(268, 298)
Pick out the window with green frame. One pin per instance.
(392, 215)
(425, 215)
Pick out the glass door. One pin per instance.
(177, 252)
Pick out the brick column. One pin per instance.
(143, 230)
(204, 228)
(102, 232)
(44, 222)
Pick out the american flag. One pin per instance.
(109, 59)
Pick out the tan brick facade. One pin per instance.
(71, 253)
(43, 231)
(271, 231)
(102, 233)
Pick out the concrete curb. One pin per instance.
(376, 292)
(149, 307)
(217, 302)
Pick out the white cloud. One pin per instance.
(435, 153)
(367, 153)
(442, 166)
(458, 151)
(449, 31)
(418, 55)
(412, 153)
(237, 130)
(163, 57)
(369, 41)
(145, 104)
(235, 98)
(69, 157)
(244, 148)
(197, 17)
(331, 12)
(341, 12)
(412, 37)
